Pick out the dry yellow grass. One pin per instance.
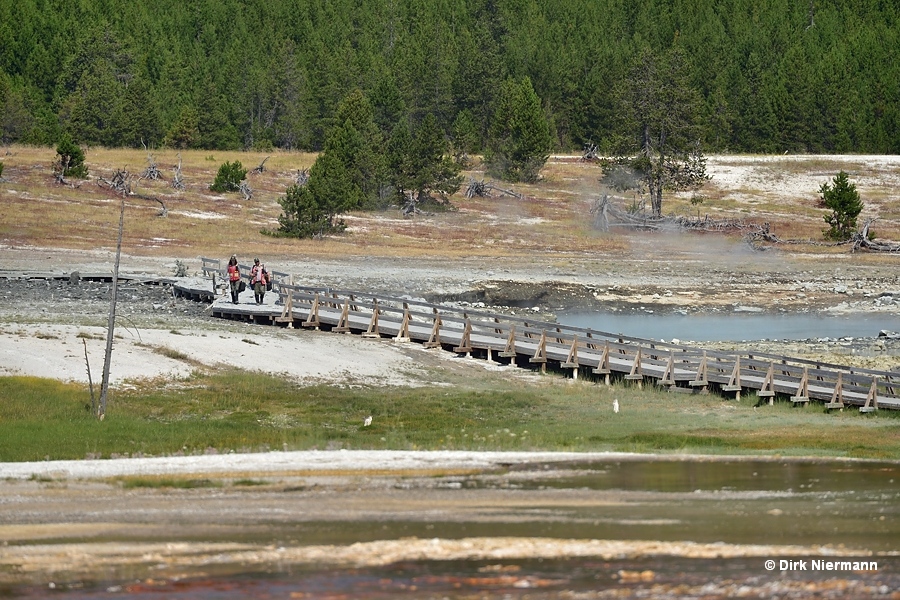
(553, 218)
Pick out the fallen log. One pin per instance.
(861, 240)
(484, 190)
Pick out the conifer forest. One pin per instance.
(767, 76)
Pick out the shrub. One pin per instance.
(70, 158)
(229, 177)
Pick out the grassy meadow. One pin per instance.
(41, 419)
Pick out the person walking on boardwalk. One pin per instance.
(234, 278)
(259, 278)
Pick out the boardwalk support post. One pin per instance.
(802, 395)
(837, 397)
(572, 359)
(510, 350)
(434, 340)
(403, 332)
(343, 325)
(767, 390)
(668, 376)
(700, 380)
(871, 404)
(734, 382)
(540, 354)
(637, 372)
(287, 313)
(603, 366)
(312, 320)
(373, 331)
(465, 343)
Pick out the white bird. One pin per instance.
(368, 421)
(616, 405)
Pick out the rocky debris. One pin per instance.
(74, 299)
(540, 296)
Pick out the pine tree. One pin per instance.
(464, 136)
(435, 170)
(312, 210)
(214, 126)
(843, 200)
(184, 132)
(401, 167)
(658, 110)
(520, 141)
(357, 142)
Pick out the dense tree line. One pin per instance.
(769, 75)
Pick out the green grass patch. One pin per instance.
(171, 353)
(245, 412)
(248, 483)
(166, 482)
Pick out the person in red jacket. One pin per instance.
(234, 278)
(259, 279)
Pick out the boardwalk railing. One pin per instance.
(532, 342)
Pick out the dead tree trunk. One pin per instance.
(163, 210)
(59, 171)
(861, 239)
(483, 190)
(245, 190)
(178, 180)
(600, 212)
(152, 170)
(111, 323)
(261, 167)
(90, 380)
(119, 183)
(477, 188)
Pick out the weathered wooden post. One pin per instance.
(111, 323)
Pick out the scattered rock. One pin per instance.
(748, 309)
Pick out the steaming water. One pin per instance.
(735, 326)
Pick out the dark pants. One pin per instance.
(259, 290)
(235, 286)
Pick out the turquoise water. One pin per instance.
(734, 326)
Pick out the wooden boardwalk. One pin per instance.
(527, 342)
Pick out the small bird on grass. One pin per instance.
(368, 421)
(616, 405)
